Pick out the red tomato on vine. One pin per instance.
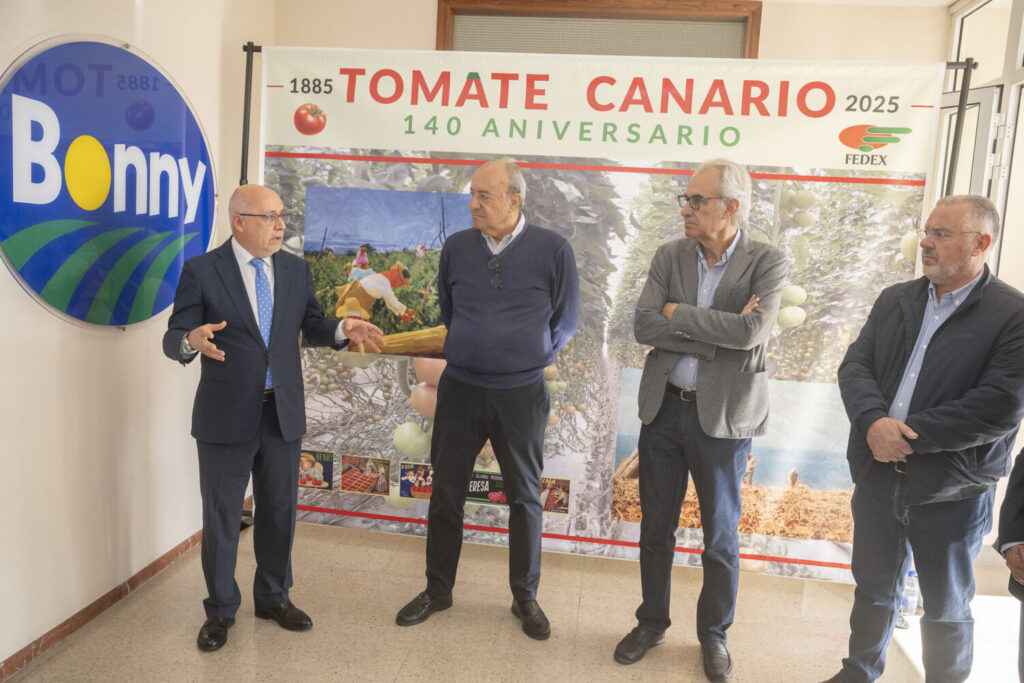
(310, 119)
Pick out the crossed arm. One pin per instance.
(686, 328)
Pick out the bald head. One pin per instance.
(249, 205)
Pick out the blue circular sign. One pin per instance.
(106, 183)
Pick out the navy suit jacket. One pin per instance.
(228, 402)
(1011, 515)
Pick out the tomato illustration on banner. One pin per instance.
(310, 119)
(107, 183)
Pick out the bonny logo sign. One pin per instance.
(106, 184)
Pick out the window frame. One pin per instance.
(749, 11)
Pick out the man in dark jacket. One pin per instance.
(934, 389)
(1011, 544)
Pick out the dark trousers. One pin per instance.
(944, 539)
(514, 421)
(672, 449)
(224, 471)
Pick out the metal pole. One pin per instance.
(968, 65)
(249, 48)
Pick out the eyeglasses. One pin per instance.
(695, 202)
(940, 235)
(495, 268)
(269, 218)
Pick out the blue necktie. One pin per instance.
(265, 306)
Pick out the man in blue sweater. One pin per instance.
(509, 297)
(934, 389)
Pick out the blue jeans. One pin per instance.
(672, 448)
(945, 538)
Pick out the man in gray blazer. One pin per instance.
(707, 308)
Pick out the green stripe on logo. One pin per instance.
(102, 307)
(65, 281)
(882, 130)
(145, 298)
(22, 245)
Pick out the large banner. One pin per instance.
(372, 153)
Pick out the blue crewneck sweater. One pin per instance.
(502, 338)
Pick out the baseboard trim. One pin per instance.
(22, 657)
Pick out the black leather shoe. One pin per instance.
(421, 607)
(535, 624)
(717, 662)
(634, 646)
(288, 616)
(214, 633)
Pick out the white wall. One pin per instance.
(875, 31)
(98, 474)
(380, 24)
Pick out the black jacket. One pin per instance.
(969, 398)
(1011, 516)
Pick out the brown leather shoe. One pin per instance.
(717, 662)
(214, 633)
(535, 624)
(287, 615)
(635, 645)
(422, 606)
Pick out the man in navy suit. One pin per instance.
(249, 412)
(1011, 544)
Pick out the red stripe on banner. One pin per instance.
(839, 179)
(922, 106)
(587, 167)
(564, 537)
(275, 86)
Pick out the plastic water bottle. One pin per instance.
(908, 601)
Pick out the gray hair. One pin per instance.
(516, 181)
(733, 183)
(981, 216)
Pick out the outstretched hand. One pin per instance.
(200, 339)
(362, 335)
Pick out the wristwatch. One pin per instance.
(186, 348)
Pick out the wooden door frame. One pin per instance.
(748, 11)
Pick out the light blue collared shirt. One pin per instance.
(497, 247)
(935, 313)
(684, 374)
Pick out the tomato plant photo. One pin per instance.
(845, 241)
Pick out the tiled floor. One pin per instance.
(353, 582)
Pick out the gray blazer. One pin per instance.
(732, 386)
